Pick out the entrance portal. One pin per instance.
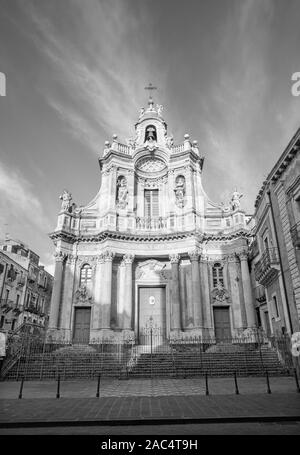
(222, 323)
(152, 313)
(82, 321)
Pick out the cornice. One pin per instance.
(149, 238)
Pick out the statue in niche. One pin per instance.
(235, 200)
(66, 205)
(122, 192)
(180, 190)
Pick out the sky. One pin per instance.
(75, 75)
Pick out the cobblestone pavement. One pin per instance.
(145, 387)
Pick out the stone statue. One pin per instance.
(131, 142)
(169, 141)
(66, 198)
(180, 191)
(122, 192)
(142, 112)
(159, 108)
(235, 200)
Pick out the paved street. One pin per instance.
(166, 406)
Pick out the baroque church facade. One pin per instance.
(151, 249)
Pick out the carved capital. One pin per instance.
(174, 258)
(128, 258)
(71, 259)
(59, 256)
(100, 258)
(194, 255)
(243, 255)
(108, 255)
(232, 258)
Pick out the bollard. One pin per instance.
(297, 381)
(58, 387)
(268, 382)
(206, 385)
(236, 384)
(21, 388)
(98, 386)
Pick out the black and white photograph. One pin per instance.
(149, 223)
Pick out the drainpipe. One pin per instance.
(280, 261)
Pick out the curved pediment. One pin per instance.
(151, 270)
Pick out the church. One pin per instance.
(151, 250)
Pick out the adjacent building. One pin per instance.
(25, 287)
(275, 255)
(151, 250)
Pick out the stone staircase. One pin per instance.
(71, 362)
(165, 361)
(219, 360)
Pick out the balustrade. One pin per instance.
(151, 224)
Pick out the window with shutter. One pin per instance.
(151, 203)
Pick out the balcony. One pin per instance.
(260, 294)
(267, 267)
(254, 250)
(32, 277)
(6, 305)
(151, 224)
(21, 281)
(295, 233)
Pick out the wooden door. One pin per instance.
(152, 311)
(222, 323)
(82, 321)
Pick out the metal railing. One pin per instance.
(260, 293)
(151, 355)
(269, 257)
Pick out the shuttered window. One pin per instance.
(151, 203)
(217, 274)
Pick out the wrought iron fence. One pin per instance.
(151, 354)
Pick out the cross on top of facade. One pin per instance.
(150, 87)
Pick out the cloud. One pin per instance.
(18, 202)
(240, 92)
(99, 80)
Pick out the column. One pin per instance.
(121, 287)
(97, 316)
(196, 290)
(247, 290)
(127, 310)
(68, 285)
(207, 311)
(175, 294)
(56, 291)
(238, 307)
(106, 289)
